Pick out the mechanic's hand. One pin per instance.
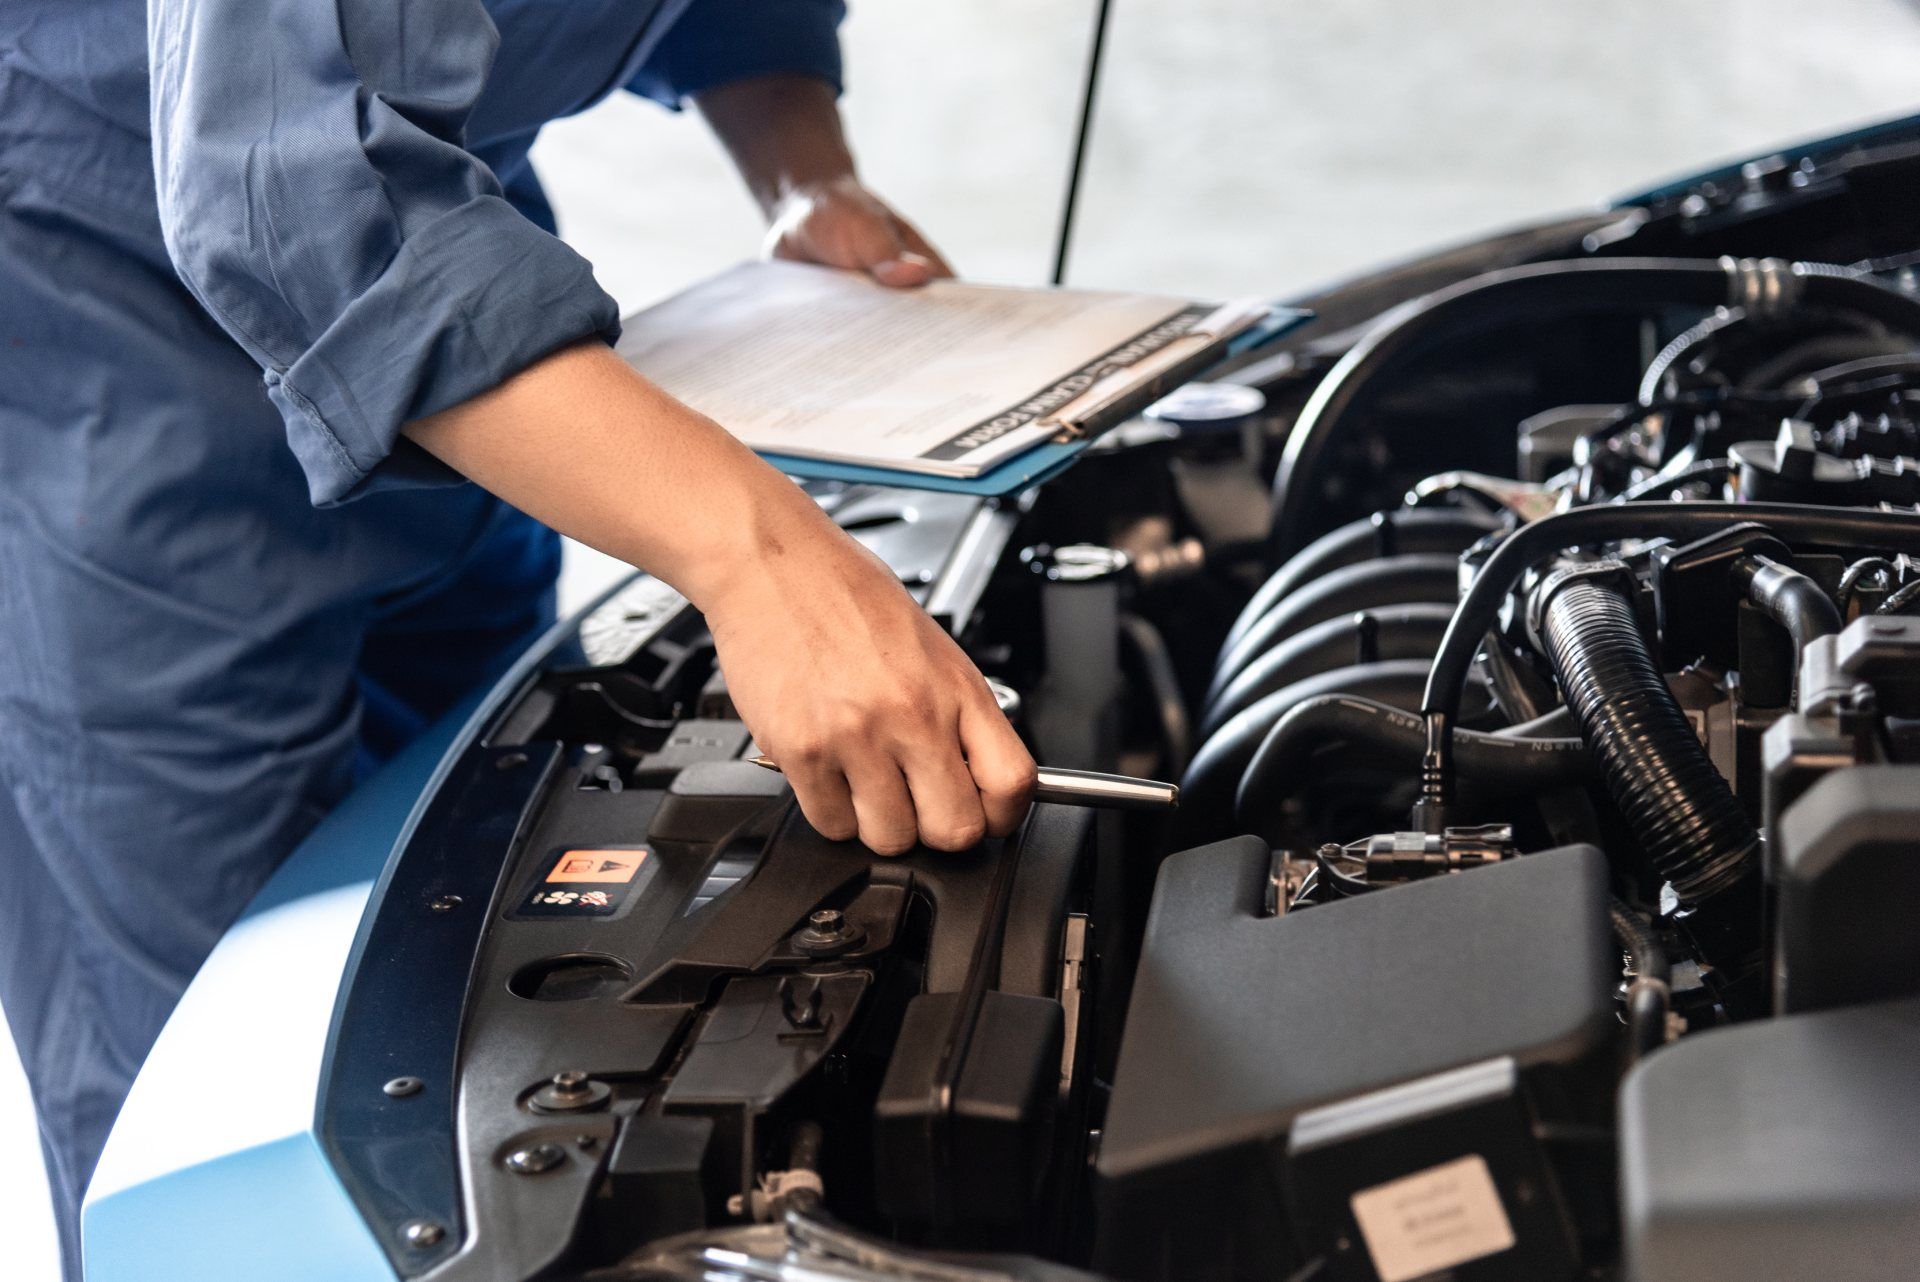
(879, 721)
(840, 223)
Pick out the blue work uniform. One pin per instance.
(241, 243)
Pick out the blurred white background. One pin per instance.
(1242, 147)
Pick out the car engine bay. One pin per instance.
(1535, 634)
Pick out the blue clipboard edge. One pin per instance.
(1043, 462)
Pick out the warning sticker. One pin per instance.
(1432, 1220)
(586, 883)
(597, 865)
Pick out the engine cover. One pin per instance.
(1241, 1022)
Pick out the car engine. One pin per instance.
(1535, 633)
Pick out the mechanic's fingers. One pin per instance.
(1003, 769)
(919, 246)
(882, 805)
(946, 804)
(879, 250)
(824, 797)
(904, 270)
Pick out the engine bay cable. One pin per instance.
(1509, 761)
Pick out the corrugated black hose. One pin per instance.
(1853, 530)
(1689, 825)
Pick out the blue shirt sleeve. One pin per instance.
(717, 41)
(316, 197)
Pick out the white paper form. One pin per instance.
(948, 379)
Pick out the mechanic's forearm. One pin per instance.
(583, 443)
(879, 721)
(783, 133)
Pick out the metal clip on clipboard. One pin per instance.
(1074, 418)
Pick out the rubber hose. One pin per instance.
(1820, 380)
(1397, 532)
(1789, 598)
(1647, 1004)
(1639, 942)
(1853, 530)
(1556, 723)
(1510, 761)
(1650, 993)
(1397, 580)
(1207, 789)
(1811, 353)
(1689, 826)
(1390, 632)
(1518, 294)
(1169, 704)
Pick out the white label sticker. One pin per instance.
(1432, 1220)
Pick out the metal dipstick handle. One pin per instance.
(1109, 792)
(1085, 788)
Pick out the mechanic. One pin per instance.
(232, 227)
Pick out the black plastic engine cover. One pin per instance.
(1240, 1022)
(1777, 1150)
(1846, 859)
(943, 1155)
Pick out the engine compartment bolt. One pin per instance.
(422, 1233)
(535, 1158)
(569, 1091)
(828, 933)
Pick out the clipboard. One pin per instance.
(1044, 462)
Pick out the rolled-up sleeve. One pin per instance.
(316, 197)
(717, 41)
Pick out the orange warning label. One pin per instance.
(597, 865)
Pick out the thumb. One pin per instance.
(880, 251)
(904, 270)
